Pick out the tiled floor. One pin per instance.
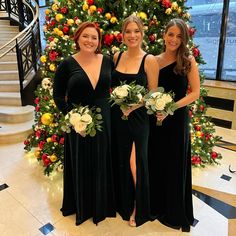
(29, 200)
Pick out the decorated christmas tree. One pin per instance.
(61, 20)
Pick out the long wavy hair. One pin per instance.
(183, 63)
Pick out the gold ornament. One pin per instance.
(53, 158)
(47, 118)
(37, 153)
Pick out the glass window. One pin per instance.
(229, 63)
(206, 17)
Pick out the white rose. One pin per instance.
(156, 94)
(160, 104)
(86, 118)
(80, 127)
(75, 118)
(139, 95)
(150, 102)
(121, 91)
(167, 98)
(46, 83)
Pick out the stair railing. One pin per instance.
(27, 43)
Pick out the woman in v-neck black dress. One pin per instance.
(88, 185)
(130, 137)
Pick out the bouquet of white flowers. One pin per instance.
(127, 96)
(84, 120)
(160, 101)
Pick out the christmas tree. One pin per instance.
(61, 20)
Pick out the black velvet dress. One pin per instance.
(88, 181)
(170, 159)
(124, 133)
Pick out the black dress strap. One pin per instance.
(141, 68)
(118, 59)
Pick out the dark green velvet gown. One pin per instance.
(88, 182)
(124, 133)
(170, 159)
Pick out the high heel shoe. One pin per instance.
(185, 228)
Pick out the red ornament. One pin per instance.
(47, 18)
(46, 162)
(152, 38)
(41, 144)
(37, 108)
(66, 29)
(197, 128)
(119, 37)
(100, 10)
(26, 142)
(61, 141)
(36, 100)
(90, 2)
(166, 3)
(214, 155)
(196, 52)
(191, 31)
(53, 55)
(108, 39)
(201, 107)
(54, 138)
(64, 10)
(196, 160)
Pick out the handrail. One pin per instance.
(27, 29)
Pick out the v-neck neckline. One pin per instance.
(94, 88)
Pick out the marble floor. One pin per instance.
(30, 201)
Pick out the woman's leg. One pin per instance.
(133, 171)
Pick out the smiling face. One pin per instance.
(173, 38)
(88, 40)
(132, 35)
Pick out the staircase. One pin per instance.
(15, 120)
(9, 78)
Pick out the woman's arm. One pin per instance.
(152, 70)
(194, 83)
(60, 87)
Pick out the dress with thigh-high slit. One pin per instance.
(88, 185)
(124, 134)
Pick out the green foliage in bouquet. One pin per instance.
(61, 20)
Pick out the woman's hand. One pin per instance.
(161, 115)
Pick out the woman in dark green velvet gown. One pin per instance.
(169, 144)
(84, 79)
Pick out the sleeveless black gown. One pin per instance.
(124, 133)
(170, 159)
(88, 178)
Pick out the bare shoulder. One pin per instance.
(116, 56)
(192, 59)
(150, 58)
(159, 59)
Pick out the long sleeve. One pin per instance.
(60, 87)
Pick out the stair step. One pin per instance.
(10, 86)
(4, 22)
(10, 99)
(16, 114)
(9, 75)
(7, 35)
(13, 133)
(11, 56)
(8, 65)
(8, 28)
(5, 49)
(3, 14)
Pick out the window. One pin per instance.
(206, 16)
